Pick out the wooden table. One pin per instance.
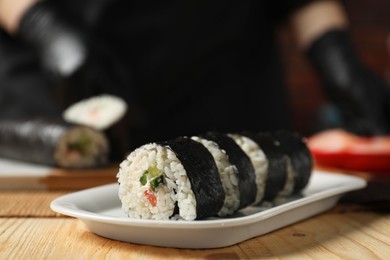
(30, 230)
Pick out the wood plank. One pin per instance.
(60, 238)
(28, 203)
(331, 236)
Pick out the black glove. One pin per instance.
(362, 98)
(60, 46)
(78, 63)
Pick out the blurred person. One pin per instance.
(184, 67)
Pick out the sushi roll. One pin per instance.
(98, 112)
(176, 179)
(106, 113)
(228, 175)
(245, 171)
(212, 174)
(277, 164)
(258, 160)
(53, 143)
(290, 163)
(301, 160)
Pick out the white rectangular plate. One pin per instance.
(100, 209)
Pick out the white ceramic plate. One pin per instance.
(100, 209)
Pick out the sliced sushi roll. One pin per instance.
(290, 163)
(227, 174)
(245, 171)
(213, 174)
(53, 143)
(301, 160)
(177, 179)
(277, 173)
(151, 179)
(259, 162)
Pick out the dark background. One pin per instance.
(370, 32)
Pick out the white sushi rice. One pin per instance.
(82, 147)
(228, 175)
(99, 112)
(259, 162)
(176, 187)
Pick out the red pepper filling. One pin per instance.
(149, 194)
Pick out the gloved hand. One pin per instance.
(60, 45)
(362, 98)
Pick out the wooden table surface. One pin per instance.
(29, 229)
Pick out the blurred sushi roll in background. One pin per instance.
(106, 113)
(213, 174)
(98, 112)
(53, 143)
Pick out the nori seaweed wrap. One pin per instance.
(296, 149)
(277, 164)
(245, 171)
(203, 174)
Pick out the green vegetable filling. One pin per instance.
(82, 144)
(155, 177)
(154, 183)
(144, 178)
